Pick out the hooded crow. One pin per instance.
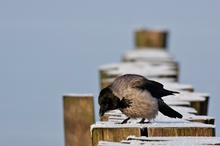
(136, 97)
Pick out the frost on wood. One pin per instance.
(149, 54)
(175, 140)
(141, 68)
(77, 95)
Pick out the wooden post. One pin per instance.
(78, 116)
(151, 38)
(201, 119)
(201, 105)
(115, 133)
(181, 131)
(105, 131)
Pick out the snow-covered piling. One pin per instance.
(155, 63)
(150, 37)
(110, 131)
(78, 116)
(158, 141)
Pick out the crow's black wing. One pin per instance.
(156, 89)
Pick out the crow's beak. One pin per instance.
(102, 110)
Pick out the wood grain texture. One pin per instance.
(113, 134)
(150, 38)
(78, 116)
(180, 131)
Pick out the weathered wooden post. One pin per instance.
(151, 38)
(78, 116)
(117, 132)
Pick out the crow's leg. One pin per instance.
(142, 121)
(125, 121)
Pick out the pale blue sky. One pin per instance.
(51, 47)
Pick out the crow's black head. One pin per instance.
(107, 101)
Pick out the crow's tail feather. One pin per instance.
(168, 111)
